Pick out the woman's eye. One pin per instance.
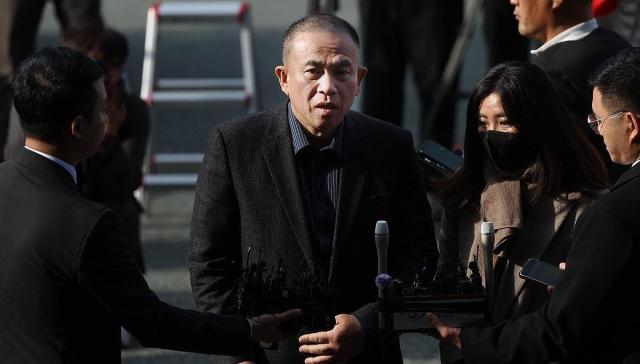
(506, 124)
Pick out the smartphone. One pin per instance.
(541, 272)
(439, 157)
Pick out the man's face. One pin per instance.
(321, 77)
(534, 17)
(614, 130)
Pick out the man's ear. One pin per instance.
(283, 78)
(77, 126)
(362, 72)
(632, 121)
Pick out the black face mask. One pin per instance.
(509, 153)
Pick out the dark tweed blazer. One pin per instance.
(248, 194)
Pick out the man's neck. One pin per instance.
(561, 26)
(52, 150)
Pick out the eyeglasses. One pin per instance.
(595, 123)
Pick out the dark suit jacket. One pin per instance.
(570, 65)
(248, 194)
(67, 279)
(593, 315)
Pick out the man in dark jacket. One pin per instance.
(304, 184)
(67, 278)
(573, 47)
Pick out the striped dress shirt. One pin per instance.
(318, 168)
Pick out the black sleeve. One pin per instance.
(601, 252)
(108, 271)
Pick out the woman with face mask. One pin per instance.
(530, 170)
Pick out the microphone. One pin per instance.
(383, 280)
(487, 238)
(382, 245)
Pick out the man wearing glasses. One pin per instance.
(592, 316)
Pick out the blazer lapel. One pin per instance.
(279, 158)
(352, 177)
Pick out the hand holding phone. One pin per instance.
(541, 272)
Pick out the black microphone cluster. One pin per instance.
(260, 291)
(457, 297)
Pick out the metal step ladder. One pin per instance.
(156, 90)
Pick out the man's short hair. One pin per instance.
(318, 23)
(618, 80)
(51, 88)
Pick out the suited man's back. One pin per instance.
(43, 227)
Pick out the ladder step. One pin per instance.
(165, 158)
(199, 10)
(199, 96)
(199, 83)
(170, 180)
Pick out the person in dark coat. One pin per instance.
(304, 184)
(68, 279)
(573, 46)
(592, 314)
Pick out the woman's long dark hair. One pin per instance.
(566, 162)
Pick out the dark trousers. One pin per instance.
(71, 14)
(20, 20)
(504, 42)
(420, 33)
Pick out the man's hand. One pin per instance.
(449, 335)
(343, 342)
(265, 327)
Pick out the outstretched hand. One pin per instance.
(266, 327)
(446, 334)
(342, 343)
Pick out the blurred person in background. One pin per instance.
(504, 42)
(112, 175)
(80, 27)
(420, 34)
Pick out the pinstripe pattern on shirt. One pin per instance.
(319, 168)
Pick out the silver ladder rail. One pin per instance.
(193, 90)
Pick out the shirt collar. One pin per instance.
(68, 167)
(576, 32)
(636, 162)
(301, 140)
